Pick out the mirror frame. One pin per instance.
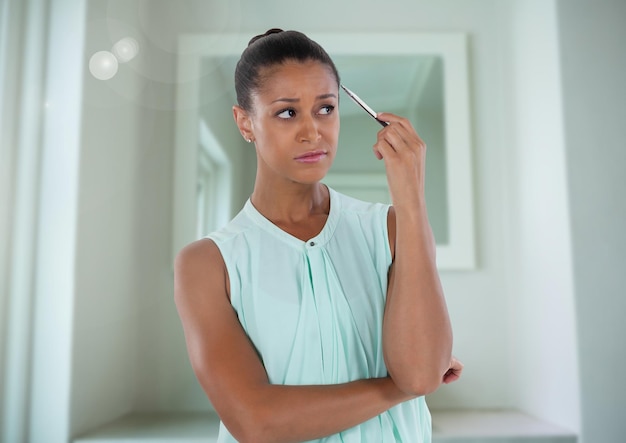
(459, 253)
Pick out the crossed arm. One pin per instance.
(234, 379)
(416, 316)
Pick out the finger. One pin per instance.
(377, 153)
(400, 132)
(457, 363)
(451, 375)
(449, 378)
(392, 118)
(395, 137)
(389, 137)
(397, 120)
(383, 150)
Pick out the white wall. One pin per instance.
(55, 284)
(23, 48)
(123, 269)
(543, 334)
(591, 36)
(105, 343)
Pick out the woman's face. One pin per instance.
(295, 121)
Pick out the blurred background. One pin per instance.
(89, 333)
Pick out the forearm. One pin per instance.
(417, 336)
(276, 413)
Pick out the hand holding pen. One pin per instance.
(404, 153)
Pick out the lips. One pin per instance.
(311, 157)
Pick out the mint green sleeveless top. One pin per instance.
(314, 309)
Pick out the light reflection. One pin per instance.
(126, 49)
(103, 65)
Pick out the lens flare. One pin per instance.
(103, 65)
(126, 49)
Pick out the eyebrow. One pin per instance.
(294, 100)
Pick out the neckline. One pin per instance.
(319, 240)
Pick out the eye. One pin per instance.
(286, 113)
(327, 109)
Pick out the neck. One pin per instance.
(292, 202)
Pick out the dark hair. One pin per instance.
(274, 48)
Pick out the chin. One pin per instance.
(311, 177)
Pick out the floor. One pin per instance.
(448, 427)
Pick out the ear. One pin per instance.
(242, 119)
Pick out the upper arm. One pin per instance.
(391, 231)
(221, 354)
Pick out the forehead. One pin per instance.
(293, 77)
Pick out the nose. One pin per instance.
(308, 130)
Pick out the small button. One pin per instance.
(312, 243)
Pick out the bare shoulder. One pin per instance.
(199, 271)
(197, 253)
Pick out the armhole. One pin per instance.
(388, 240)
(227, 282)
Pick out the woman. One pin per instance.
(313, 315)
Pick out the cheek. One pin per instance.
(265, 134)
(332, 134)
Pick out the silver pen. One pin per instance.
(362, 104)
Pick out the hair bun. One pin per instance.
(268, 32)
